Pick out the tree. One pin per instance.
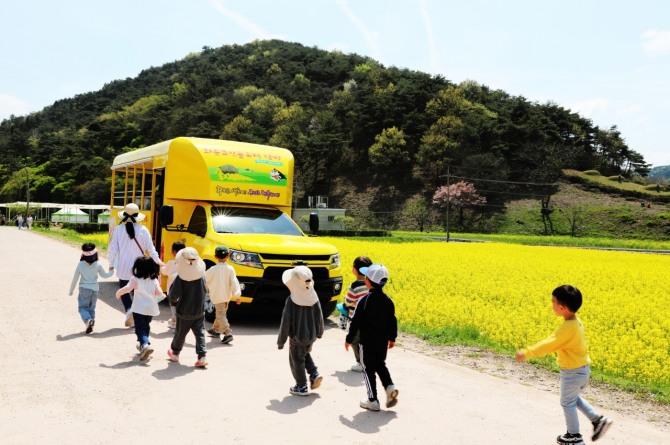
(576, 214)
(460, 195)
(389, 148)
(345, 222)
(416, 209)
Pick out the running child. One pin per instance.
(169, 269)
(86, 273)
(301, 324)
(147, 293)
(569, 342)
(223, 286)
(375, 318)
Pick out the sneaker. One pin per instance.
(372, 405)
(567, 438)
(172, 356)
(201, 363)
(298, 390)
(227, 339)
(391, 396)
(172, 323)
(89, 326)
(129, 319)
(600, 427)
(357, 367)
(315, 380)
(213, 333)
(344, 320)
(138, 347)
(145, 352)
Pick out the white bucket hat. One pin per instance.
(190, 266)
(301, 284)
(133, 211)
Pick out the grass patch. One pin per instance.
(470, 336)
(607, 184)
(74, 238)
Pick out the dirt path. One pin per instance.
(60, 386)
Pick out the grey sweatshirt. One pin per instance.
(303, 324)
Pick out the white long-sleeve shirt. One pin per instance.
(170, 270)
(146, 295)
(123, 251)
(222, 283)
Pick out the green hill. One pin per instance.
(378, 141)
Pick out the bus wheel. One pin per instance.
(328, 308)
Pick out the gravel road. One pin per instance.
(60, 386)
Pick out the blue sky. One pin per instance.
(607, 60)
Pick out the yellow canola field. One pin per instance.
(504, 291)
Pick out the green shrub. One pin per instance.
(364, 232)
(85, 227)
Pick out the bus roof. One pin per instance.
(217, 170)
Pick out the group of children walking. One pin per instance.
(368, 312)
(188, 284)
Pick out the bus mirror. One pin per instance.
(166, 215)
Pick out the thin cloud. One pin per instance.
(12, 105)
(368, 35)
(241, 21)
(434, 55)
(633, 109)
(656, 42)
(590, 107)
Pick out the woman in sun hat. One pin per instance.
(129, 241)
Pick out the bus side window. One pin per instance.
(198, 222)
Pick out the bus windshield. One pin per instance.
(253, 220)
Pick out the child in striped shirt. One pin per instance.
(356, 291)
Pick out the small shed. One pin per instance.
(71, 215)
(103, 218)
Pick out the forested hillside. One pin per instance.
(660, 172)
(375, 139)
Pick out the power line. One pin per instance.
(555, 184)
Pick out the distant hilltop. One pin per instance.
(662, 172)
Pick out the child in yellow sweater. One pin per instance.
(569, 342)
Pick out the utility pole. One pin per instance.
(27, 191)
(448, 203)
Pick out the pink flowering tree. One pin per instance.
(460, 195)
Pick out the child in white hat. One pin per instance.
(187, 294)
(375, 319)
(302, 319)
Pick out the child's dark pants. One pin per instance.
(299, 359)
(373, 359)
(183, 327)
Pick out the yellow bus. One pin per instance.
(209, 192)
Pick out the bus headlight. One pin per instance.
(245, 259)
(335, 261)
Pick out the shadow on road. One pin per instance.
(114, 332)
(291, 404)
(349, 378)
(172, 371)
(368, 422)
